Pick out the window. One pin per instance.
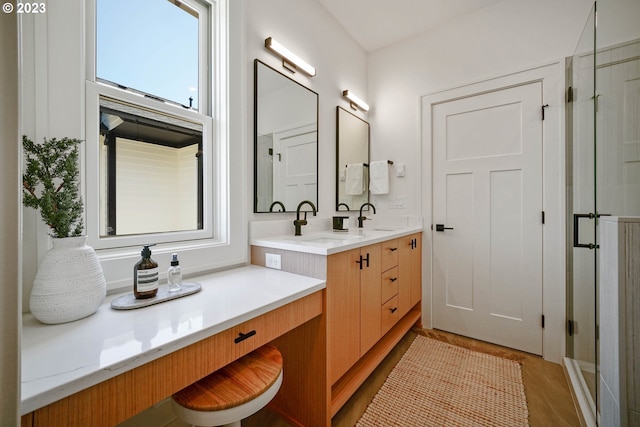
(67, 97)
(150, 121)
(152, 46)
(161, 194)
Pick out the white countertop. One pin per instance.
(331, 242)
(59, 360)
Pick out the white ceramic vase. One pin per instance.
(69, 284)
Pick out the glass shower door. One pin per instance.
(603, 175)
(582, 214)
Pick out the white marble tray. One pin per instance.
(129, 301)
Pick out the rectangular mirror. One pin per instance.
(352, 160)
(285, 142)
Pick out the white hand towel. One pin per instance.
(379, 177)
(354, 182)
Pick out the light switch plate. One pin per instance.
(397, 202)
(400, 168)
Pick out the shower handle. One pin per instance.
(576, 229)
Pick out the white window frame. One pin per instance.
(211, 223)
(200, 250)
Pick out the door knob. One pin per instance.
(441, 227)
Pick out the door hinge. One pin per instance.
(569, 95)
(570, 327)
(543, 108)
(543, 217)
(542, 321)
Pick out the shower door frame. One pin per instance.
(582, 215)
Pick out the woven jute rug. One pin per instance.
(439, 384)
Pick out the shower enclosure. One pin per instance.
(603, 172)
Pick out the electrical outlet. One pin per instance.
(273, 261)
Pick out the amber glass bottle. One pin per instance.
(145, 275)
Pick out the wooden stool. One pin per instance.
(233, 392)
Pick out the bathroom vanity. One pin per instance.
(337, 308)
(373, 295)
(101, 370)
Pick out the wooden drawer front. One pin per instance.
(390, 284)
(389, 254)
(246, 337)
(390, 314)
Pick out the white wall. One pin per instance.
(505, 37)
(617, 22)
(9, 222)
(307, 29)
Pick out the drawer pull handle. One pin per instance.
(393, 249)
(362, 260)
(242, 337)
(393, 279)
(393, 310)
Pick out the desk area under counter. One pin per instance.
(103, 369)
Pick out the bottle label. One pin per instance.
(147, 279)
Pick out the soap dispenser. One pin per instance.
(174, 274)
(145, 275)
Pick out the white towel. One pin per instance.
(379, 177)
(354, 183)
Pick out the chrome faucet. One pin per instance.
(276, 203)
(361, 218)
(298, 223)
(342, 204)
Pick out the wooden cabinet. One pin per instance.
(410, 272)
(343, 320)
(353, 306)
(372, 299)
(390, 285)
(368, 290)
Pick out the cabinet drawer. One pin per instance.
(390, 314)
(389, 254)
(389, 284)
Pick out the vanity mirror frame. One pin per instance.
(341, 161)
(256, 160)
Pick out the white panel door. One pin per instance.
(487, 192)
(295, 167)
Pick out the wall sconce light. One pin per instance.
(290, 61)
(355, 101)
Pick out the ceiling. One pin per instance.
(378, 23)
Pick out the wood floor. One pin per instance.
(548, 395)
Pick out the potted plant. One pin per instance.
(69, 284)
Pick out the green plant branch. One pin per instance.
(60, 204)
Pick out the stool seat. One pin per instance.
(237, 390)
